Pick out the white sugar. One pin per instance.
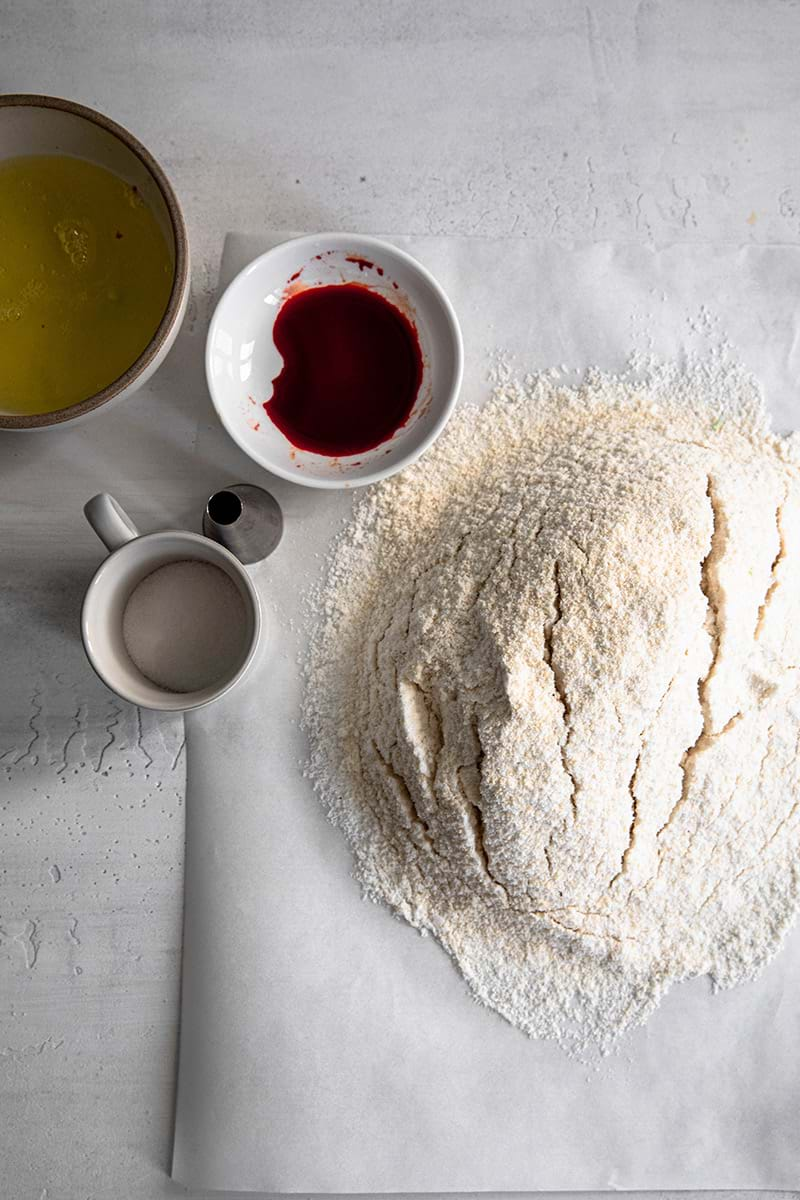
(185, 626)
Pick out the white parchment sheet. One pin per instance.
(326, 1046)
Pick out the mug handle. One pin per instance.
(109, 521)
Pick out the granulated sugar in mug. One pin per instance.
(184, 626)
(553, 693)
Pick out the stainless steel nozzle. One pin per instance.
(245, 519)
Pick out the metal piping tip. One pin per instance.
(245, 520)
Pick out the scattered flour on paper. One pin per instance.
(553, 695)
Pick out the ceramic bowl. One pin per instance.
(46, 125)
(242, 361)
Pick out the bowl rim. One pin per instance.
(354, 241)
(179, 279)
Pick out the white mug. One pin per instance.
(134, 556)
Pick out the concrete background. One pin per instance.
(553, 119)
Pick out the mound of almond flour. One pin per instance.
(553, 693)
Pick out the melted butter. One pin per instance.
(85, 277)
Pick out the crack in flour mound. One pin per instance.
(553, 698)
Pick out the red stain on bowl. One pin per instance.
(363, 264)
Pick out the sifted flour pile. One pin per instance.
(553, 693)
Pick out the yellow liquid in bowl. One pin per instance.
(85, 277)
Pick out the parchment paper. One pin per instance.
(326, 1046)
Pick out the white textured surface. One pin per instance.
(617, 120)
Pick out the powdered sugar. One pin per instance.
(553, 691)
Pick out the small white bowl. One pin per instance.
(242, 361)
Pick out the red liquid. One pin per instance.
(352, 367)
